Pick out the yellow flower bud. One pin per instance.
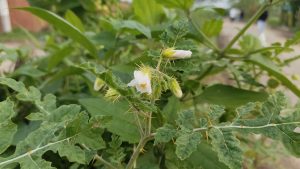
(175, 88)
(98, 84)
(168, 53)
(173, 54)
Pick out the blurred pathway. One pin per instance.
(272, 35)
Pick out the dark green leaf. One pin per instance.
(230, 96)
(123, 121)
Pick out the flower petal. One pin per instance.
(132, 83)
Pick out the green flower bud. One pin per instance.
(98, 84)
(175, 88)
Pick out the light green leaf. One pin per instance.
(7, 127)
(207, 21)
(249, 43)
(74, 20)
(34, 162)
(29, 70)
(183, 4)
(164, 134)
(216, 112)
(11, 83)
(230, 96)
(148, 12)
(186, 144)
(267, 65)
(227, 148)
(186, 120)
(64, 26)
(246, 109)
(72, 152)
(131, 25)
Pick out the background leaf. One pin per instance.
(230, 96)
(63, 25)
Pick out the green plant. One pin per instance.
(133, 96)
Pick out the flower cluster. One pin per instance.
(142, 77)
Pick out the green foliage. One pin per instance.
(144, 99)
(165, 134)
(227, 147)
(148, 12)
(183, 4)
(7, 127)
(271, 68)
(186, 144)
(122, 122)
(64, 26)
(230, 96)
(74, 20)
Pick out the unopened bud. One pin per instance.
(172, 54)
(98, 84)
(175, 88)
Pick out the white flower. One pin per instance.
(141, 82)
(171, 53)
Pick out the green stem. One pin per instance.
(207, 41)
(246, 27)
(247, 127)
(138, 149)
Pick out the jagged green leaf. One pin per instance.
(186, 144)
(7, 127)
(35, 162)
(165, 134)
(72, 152)
(216, 112)
(186, 119)
(227, 148)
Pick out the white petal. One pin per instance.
(182, 54)
(149, 89)
(138, 75)
(132, 83)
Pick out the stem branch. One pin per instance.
(138, 149)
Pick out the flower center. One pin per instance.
(143, 85)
